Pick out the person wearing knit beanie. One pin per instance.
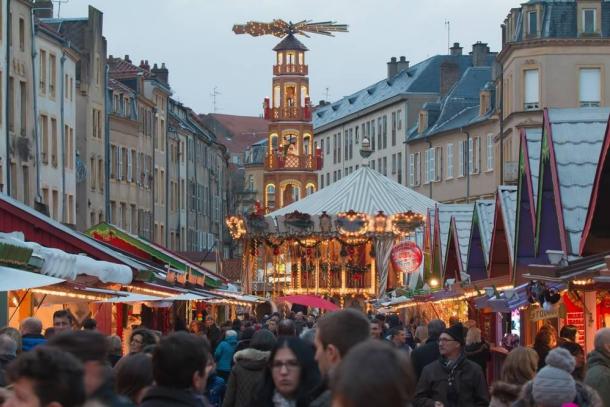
(554, 385)
(456, 331)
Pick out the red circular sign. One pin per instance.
(406, 257)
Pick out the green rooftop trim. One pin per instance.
(105, 229)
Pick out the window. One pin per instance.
(393, 128)
(100, 173)
(490, 152)
(328, 178)
(532, 23)
(54, 142)
(11, 104)
(449, 161)
(356, 135)
(70, 209)
(414, 177)
(588, 21)
(44, 127)
(379, 134)
(327, 145)
(398, 167)
(393, 163)
(22, 34)
(461, 160)
(23, 107)
(55, 205)
(385, 131)
(385, 166)
(43, 71)
(52, 74)
(589, 87)
(321, 181)
(399, 118)
(129, 164)
(531, 85)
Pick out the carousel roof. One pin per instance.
(365, 190)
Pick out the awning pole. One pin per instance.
(18, 305)
(41, 301)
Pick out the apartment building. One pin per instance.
(451, 149)
(23, 181)
(554, 54)
(85, 35)
(55, 66)
(384, 112)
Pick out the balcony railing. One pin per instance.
(287, 69)
(279, 161)
(288, 113)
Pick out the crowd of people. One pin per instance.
(341, 359)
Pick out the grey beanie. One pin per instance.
(553, 385)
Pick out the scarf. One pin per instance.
(451, 367)
(281, 401)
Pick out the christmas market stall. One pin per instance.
(337, 242)
(87, 270)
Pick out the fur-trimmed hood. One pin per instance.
(504, 394)
(251, 359)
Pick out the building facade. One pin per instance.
(56, 111)
(85, 34)
(384, 113)
(554, 54)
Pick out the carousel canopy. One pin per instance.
(364, 191)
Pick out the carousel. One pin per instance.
(350, 242)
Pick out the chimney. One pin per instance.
(456, 50)
(162, 74)
(450, 74)
(43, 9)
(392, 67)
(480, 51)
(402, 64)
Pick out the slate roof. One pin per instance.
(485, 210)
(461, 106)
(364, 190)
(463, 220)
(72, 29)
(423, 77)
(533, 137)
(118, 86)
(559, 20)
(577, 136)
(508, 206)
(290, 43)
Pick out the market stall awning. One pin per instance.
(39, 228)
(138, 247)
(133, 297)
(14, 279)
(67, 266)
(187, 297)
(365, 191)
(309, 301)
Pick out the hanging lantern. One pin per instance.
(380, 222)
(406, 257)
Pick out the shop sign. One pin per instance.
(406, 257)
(538, 314)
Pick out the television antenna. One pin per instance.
(59, 3)
(214, 94)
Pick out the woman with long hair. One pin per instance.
(134, 375)
(519, 367)
(546, 339)
(477, 349)
(291, 375)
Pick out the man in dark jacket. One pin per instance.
(179, 370)
(598, 366)
(91, 348)
(453, 380)
(31, 333)
(212, 332)
(8, 353)
(337, 333)
(427, 353)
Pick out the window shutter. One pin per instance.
(461, 153)
(449, 160)
(590, 89)
(129, 166)
(117, 172)
(439, 163)
(531, 86)
(432, 165)
(411, 169)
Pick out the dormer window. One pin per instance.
(588, 21)
(532, 23)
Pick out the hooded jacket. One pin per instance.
(504, 394)
(598, 375)
(585, 396)
(224, 354)
(456, 384)
(159, 396)
(246, 376)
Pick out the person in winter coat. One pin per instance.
(546, 339)
(476, 348)
(180, 372)
(249, 370)
(518, 368)
(554, 385)
(427, 353)
(31, 333)
(453, 380)
(224, 354)
(8, 353)
(598, 365)
(216, 386)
